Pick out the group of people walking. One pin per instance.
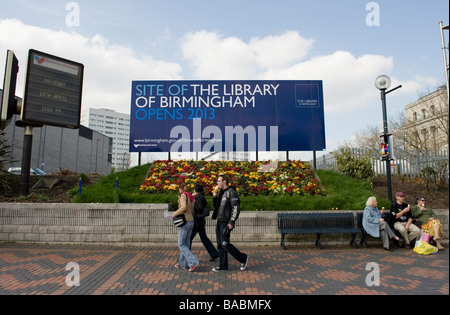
(401, 218)
(226, 201)
(226, 212)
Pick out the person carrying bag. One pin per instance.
(186, 209)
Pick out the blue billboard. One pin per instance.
(204, 116)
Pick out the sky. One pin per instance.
(346, 44)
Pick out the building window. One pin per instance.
(424, 113)
(433, 110)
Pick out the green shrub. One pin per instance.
(352, 166)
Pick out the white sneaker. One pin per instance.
(244, 265)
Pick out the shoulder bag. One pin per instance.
(179, 221)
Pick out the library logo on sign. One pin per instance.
(306, 96)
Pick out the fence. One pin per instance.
(410, 163)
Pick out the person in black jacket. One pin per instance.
(200, 204)
(402, 219)
(226, 212)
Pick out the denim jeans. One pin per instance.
(187, 258)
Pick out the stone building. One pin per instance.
(428, 121)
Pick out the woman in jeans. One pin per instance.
(186, 207)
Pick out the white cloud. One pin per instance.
(109, 68)
(214, 57)
(280, 51)
(348, 80)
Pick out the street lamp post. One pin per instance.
(383, 83)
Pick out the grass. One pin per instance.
(342, 192)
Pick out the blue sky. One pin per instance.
(121, 41)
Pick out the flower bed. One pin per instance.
(249, 178)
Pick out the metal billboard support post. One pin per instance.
(26, 160)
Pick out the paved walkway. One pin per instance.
(41, 269)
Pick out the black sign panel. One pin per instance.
(53, 91)
(7, 104)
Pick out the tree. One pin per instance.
(5, 157)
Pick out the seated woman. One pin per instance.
(375, 225)
(428, 221)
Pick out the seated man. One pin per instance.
(402, 219)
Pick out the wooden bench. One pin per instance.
(317, 223)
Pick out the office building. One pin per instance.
(54, 149)
(115, 125)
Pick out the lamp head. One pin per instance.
(383, 82)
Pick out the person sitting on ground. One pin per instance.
(427, 218)
(375, 225)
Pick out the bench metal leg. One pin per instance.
(363, 242)
(283, 244)
(353, 241)
(318, 243)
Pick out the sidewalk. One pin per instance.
(41, 269)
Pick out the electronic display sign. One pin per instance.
(53, 91)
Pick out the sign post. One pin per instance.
(53, 91)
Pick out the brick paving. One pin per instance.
(41, 270)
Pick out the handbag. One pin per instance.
(179, 221)
(205, 213)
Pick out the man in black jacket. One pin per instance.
(226, 212)
(402, 219)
